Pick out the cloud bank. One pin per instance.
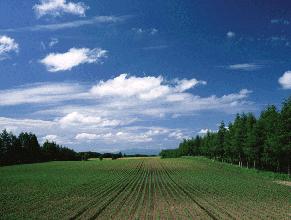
(114, 111)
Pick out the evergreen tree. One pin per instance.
(264, 143)
(250, 150)
(220, 141)
(285, 135)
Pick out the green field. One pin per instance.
(144, 188)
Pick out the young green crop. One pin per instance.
(149, 188)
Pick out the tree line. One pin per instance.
(25, 148)
(89, 154)
(261, 143)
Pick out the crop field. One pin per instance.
(144, 188)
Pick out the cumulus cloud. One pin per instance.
(114, 111)
(124, 86)
(59, 7)
(77, 119)
(127, 97)
(177, 135)
(117, 137)
(285, 80)
(86, 136)
(184, 84)
(245, 66)
(144, 88)
(204, 131)
(55, 62)
(132, 137)
(7, 45)
(50, 137)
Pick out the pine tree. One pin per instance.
(285, 134)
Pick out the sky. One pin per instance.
(139, 76)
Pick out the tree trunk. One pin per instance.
(278, 166)
(255, 164)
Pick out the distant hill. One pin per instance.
(141, 151)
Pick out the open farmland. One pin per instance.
(145, 188)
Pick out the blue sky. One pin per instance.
(119, 75)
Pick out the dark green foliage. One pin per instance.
(84, 155)
(52, 151)
(170, 153)
(116, 156)
(285, 134)
(26, 149)
(263, 143)
(138, 155)
(89, 154)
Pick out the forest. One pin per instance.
(261, 143)
(25, 148)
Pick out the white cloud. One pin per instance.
(150, 31)
(116, 137)
(55, 62)
(230, 34)
(156, 131)
(86, 136)
(285, 80)
(184, 84)
(53, 42)
(125, 86)
(78, 119)
(177, 135)
(59, 7)
(41, 93)
(204, 131)
(50, 137)
(117, 112)
(144, 88)
(71, 24)
(24, 124)
(245, 66)
(132, 137)
(7, 45)
(127, 98)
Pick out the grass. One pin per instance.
(262, 173)
(143, 188)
